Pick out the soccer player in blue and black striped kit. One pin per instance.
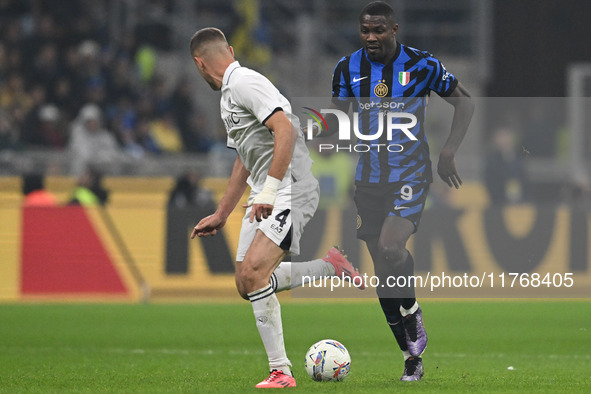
(393, 175)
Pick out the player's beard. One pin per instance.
(211, 81)
(375, 54)
(215, 85)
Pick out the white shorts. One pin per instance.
(294, 207)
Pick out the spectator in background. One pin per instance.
(15, 60)
(68, 89)
(30, 124)
(44, 128)
(35, 193)
(4, 66)
(191, 122)
(145, 138)
(182, 107)
(90, 143)
(188, 193)
(89, 58)
(92, 73)
(89, 190)
(199, 139)
(122, 79)
(55, 53)
(131, 146)
(46, 66)
(162, 102)
(9, 133)
(504, 173)
(15, 99)
(45, 31)
(122, 117)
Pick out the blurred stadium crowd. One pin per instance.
(110, 82)
(81, 76)
(65, 85)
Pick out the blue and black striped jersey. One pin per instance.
(408, 78)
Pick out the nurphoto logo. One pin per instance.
(386, 119)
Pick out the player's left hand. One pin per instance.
(446, 168)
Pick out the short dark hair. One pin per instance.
(379, 8)
(204, 36)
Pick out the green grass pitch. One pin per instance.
(198, 348)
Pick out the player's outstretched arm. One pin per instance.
(285, 137)
(236, 186)
(463, 110)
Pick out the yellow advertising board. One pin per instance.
(137, 247)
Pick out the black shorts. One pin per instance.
(374, 203)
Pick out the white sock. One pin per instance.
(267, 313)
(406, 312)
(291, 275)
(406, 354)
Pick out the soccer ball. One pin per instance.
(328, 360)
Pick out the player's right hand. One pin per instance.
(262, 206)
(260, 212)
(446, 168)
(262, 203)
(208, 226)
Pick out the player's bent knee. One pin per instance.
(243, 294)
(393, 254)
(249, 280)
(241, 289)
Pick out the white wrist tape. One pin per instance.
(267, 195)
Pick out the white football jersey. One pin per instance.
(248, 100)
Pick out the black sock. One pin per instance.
(408, 269)
(391, 309)
(407, 303)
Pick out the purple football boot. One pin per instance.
(413, 369)
(416, 336)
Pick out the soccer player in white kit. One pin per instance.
(273, 160)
